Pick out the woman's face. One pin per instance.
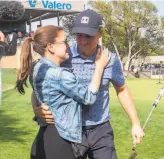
(60, 47)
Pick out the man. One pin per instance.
(97, 131)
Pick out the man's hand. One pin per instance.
(44, 114)
(137, 133)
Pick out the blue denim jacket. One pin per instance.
(61, 91)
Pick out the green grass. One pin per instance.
(9, 76)
(144, 93)
(17, 130)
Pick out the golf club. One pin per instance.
(134, 153)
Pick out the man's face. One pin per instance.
(87, 44)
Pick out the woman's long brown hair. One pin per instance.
(42, 37)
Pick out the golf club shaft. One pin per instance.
(148, 117)
(154, 106)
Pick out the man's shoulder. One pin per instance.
(113, 59)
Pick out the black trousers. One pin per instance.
(98, 142)
(49, 145)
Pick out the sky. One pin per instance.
(53, 21)
(160, 6)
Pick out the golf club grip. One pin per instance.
(159, 97)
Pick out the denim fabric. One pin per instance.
(83, 69)
(60, 90)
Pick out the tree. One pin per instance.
(131, 28)
(68, 22)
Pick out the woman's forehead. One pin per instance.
(61, 35)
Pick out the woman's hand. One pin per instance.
(102, 58)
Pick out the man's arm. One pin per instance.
(128, 105)
(42, 111)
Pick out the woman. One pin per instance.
(59, 89)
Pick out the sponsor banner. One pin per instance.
(63, 5)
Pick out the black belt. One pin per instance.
(92, 126)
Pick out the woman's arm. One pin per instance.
(70, 86)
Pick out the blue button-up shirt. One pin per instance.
(61, 91)
(83, 69)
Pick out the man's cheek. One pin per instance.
(81, 41)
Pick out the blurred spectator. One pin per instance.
(132, 68)
(20, 36)
(136, 71)
(31, 34)
(2, 38)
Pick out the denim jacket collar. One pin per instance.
(48, 62)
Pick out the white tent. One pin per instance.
(154, 59)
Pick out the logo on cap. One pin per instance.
(85, 20)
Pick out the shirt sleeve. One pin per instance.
(117, 73)
(70, 86)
